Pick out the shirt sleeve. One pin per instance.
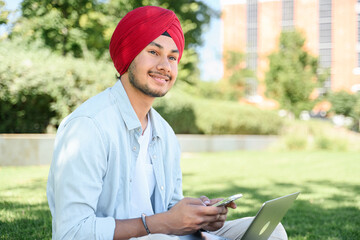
(75, 182)
(178, 192)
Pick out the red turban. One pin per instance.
(139, 28)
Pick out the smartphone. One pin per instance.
(228, 200)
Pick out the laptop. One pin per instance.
(264, 223)
(268, 217)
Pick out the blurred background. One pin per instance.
(249, 67)
(280, 78)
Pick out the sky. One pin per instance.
(211, 68)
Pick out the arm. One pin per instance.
(185, 217)
(75, 182)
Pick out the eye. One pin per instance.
(173, 58)
(152, 52)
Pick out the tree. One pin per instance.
(237, 73)
(77, 27)
(346, 104)
(65, 26)
(3, 13)
(292, 74)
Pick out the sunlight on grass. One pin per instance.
(327, 208)
(329, 183)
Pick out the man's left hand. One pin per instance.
(213, 226)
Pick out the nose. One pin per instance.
(164, 65)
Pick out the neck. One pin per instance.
(140, 102)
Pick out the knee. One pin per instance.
(279, 233)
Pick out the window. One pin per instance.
(325, 41)
(287, 21)
(251, 49)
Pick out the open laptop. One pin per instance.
(268, 217)
(264, 223)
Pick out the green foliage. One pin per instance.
(39, 89)
(230, 88)
(208, 116)
(342, 103)
(84, 28)
(71, 26)
(347, 104)
(236, 68)
(3, 13)
(316, 135)
(292, 74)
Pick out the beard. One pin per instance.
(144, 88)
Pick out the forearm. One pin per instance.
(125, 229)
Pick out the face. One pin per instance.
(154, 70)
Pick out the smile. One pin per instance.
(159, 77)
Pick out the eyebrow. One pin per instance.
(161, 47)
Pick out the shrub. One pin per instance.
(209, 116)
(342, 103)
(39, 88)
(316, 135)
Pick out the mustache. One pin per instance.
(159, 73)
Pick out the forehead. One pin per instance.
(164, 42)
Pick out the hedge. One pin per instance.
(38, 89)
(189, 114)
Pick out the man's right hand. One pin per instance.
(186, 217)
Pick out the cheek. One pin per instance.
(174, 71)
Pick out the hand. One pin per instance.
(190, 215)
(213, 226)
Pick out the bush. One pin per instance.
(38, 88)
(209, 116)
(317, 135)
(342, 103)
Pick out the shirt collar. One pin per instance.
(128, 113)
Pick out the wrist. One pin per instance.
(143, 219)
(159, 223)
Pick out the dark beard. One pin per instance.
(143, 88)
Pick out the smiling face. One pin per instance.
(154, 70)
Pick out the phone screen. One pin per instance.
(228, 200)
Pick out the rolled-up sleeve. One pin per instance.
(75, 182)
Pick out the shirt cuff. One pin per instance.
(105, 228)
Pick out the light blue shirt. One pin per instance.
(95, 152)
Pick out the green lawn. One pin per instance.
(328, 207)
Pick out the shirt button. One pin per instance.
(134, 148)
(154, 156)
(130, 179)
(162, 187)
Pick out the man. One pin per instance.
(116, 166)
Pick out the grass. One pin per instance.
(328, 207)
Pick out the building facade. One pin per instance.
(331, 29)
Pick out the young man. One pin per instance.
(116, 172)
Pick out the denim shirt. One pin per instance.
(94, 157)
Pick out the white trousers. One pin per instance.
(234, 229)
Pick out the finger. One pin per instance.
(212, 211)
(205, 200)
(194, 201)
(231, 205)
(215, 200)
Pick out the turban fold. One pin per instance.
(139, 28)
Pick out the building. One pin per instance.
(331, 28)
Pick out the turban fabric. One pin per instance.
(139, 28)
